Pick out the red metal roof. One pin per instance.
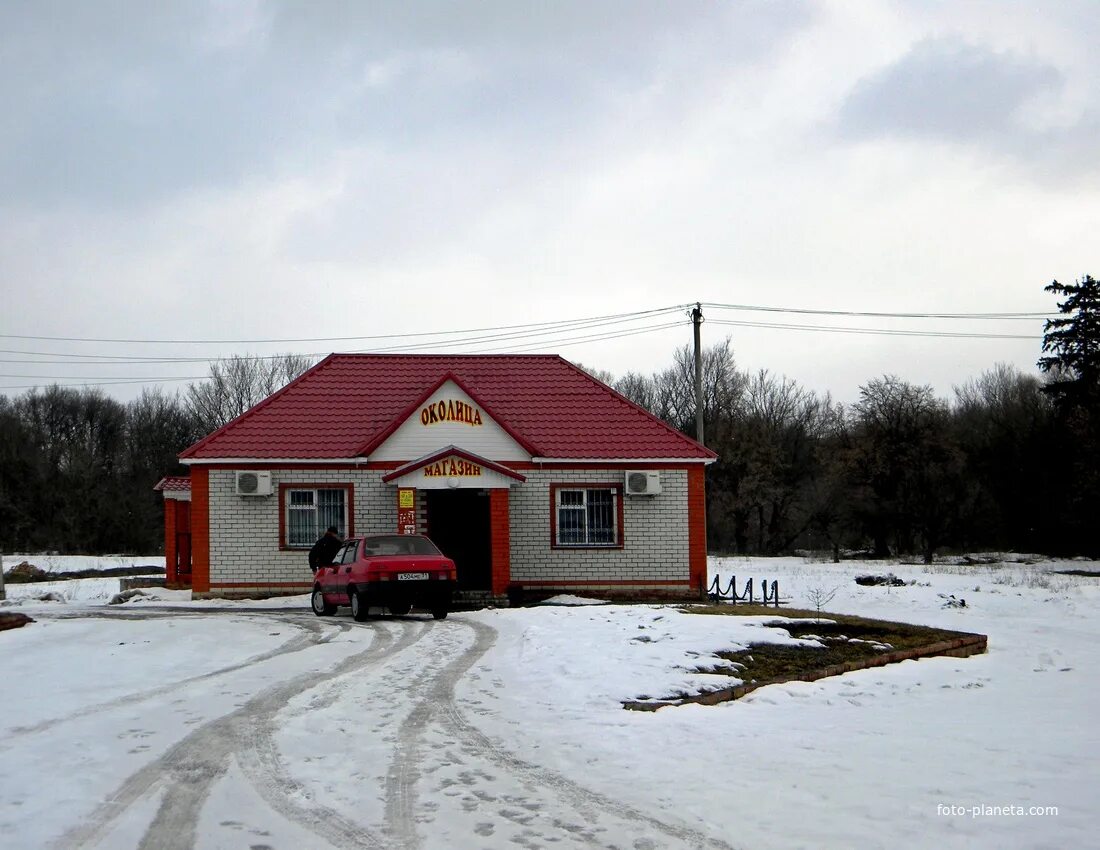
(348, 403)
(180, 483)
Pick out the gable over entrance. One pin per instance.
(453, 468)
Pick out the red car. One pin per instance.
(396, 571)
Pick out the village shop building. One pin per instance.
(532, 475)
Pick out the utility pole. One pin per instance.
(697, 320)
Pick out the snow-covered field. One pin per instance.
(170, 723)
(73, 563)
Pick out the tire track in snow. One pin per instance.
(405, 769)
(264, 767)
(314, 637)
(192, 766)
(590, 804)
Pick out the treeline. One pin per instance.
(1010, 462)
(77, 467)
(900, 471)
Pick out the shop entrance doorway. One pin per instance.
(458, 523)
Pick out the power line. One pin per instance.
(582, 339)
(551, 336)
(555, 339)
(518, 337)
(539, 330)
(874, 331)
(51, 382)
(880, 315)
(637, 313)
(501, 337)
(519, 327)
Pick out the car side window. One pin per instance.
(338, 558)
(349, 554)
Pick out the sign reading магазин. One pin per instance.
(451, 410)
(452, 468)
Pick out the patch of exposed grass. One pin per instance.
(845, 638)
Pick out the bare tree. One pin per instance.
(238, 384)
(601, 375)
(906, 461)
(777, 429)
(639, 389)
(820, 596)
(1006, 423)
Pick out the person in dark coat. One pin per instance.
(325, 549)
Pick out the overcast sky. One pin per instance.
(250, 170)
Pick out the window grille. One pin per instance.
(310, 511)
(587, 517)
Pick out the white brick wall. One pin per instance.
(244, 531)
(655, 532)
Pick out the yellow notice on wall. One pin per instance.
(406, 498)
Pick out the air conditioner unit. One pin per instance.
(642, 483)
(253, 483)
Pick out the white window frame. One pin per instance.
(581, 509)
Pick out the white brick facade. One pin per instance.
(245, 547)
(655, 532)
(244, 530)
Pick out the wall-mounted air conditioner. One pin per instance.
(643, 483)
(253, 483)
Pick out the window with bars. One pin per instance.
(310, 510)
(586, 516)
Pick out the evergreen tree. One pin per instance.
(1072, 343)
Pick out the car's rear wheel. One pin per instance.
(320, 607)
(400, 609)
(359, 607)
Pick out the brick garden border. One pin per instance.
(961, 647)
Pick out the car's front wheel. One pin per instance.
(320, 607)
(400, 609)
(359, 607)
(440, 612)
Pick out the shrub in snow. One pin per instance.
(125, 596)
(23, 573)
(888, 580)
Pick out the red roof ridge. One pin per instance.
(425, 356)
(624, 400)
(236, 420)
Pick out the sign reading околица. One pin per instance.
(450, 410)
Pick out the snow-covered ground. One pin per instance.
(169, 723)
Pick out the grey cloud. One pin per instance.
(948, 90)
(121, 104)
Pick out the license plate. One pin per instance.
(411, 576)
